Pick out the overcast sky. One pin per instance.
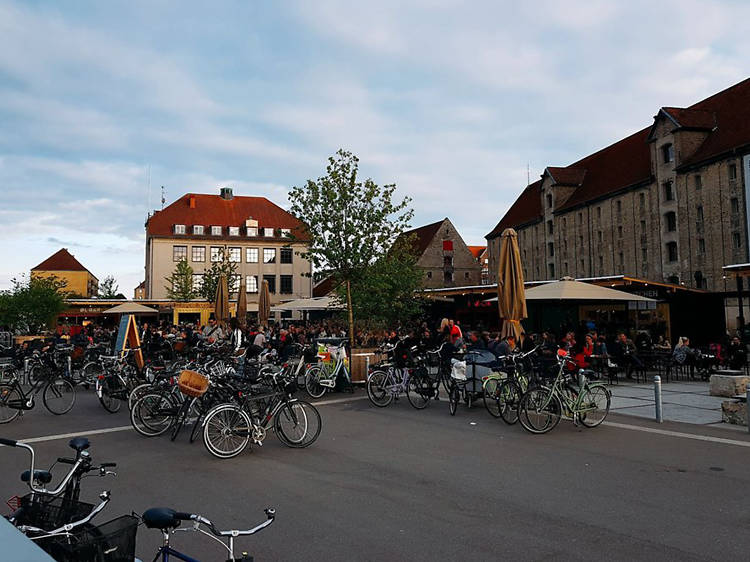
(450, 100)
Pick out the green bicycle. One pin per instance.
(541, 407)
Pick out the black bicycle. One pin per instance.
(58, 395)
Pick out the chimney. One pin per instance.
(226, 193)
(192, 201)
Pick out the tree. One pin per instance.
(180, 283)
(32, 304)
(350, 223)
(108, 288)
(383, 295)
(211, 277)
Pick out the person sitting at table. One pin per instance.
(582, 353)
(682, 354)
(625, 355)
(662, 344)
(737, 354)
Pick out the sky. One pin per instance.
(458, 103)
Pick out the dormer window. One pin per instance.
(215, 231)
(234, 231)
(549, 200)
(667, 153)
(179, 229)
(286, 232)
(268, 232)
(252, 231)
(198, 230)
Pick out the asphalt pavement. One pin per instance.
(401, 484)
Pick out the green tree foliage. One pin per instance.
(383, 295)
(180, 283)
(211, 277)
(350, 223)
(108, 288)
(32, 304)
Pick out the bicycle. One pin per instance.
(168, 521)
(502, 391)
(119, 379)
(542, 406)
(58, 395)
(322, 376)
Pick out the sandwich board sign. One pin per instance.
(127, 338)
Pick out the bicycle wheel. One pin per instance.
(453, 397)
(298, 424)
(491, 396)
(509, 396)
(419, 391)
(312, 382)
(91, 371)
(377, 390)
(9, 395)
(539, 412)
(109, 389)
(153, 414)
(139, 392)
(36, 372)
(594, 405)
(226, 431)
(59, 396)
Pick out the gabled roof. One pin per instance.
(422, 236)
(324, 287)
(566, 176)
(527, 208)
(62, 260)
(691, 118)
(213, 210)
(476, 251)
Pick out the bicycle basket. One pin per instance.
(192, 383)
(50, 512)
(113, 541)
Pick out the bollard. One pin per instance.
(657, 399)
(367, 367)
(747, 407)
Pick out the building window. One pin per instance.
(269, 255)
(268, 232)
(217, 253)
(582, 266)
(179, 253)
(621, 257)
(447, 261)
(429, 275)
(550, 228)
(235, 255)
(286, 232)
(252, 231)
(580, 239)
(644, 255)
(736, 240)
(598, 213)
(251, 283)
(698, 182)
(251, 255)
(671, 251)
(668, 191)
(601, 264)
(234, 231)
(198, 230)
(580, 218)
(215, 231)
(734, 204)
(447, 245)
(600, 236)
(197, 281)
(667, 153)
(271, 279)
(448, 276)
(549, 200)
(701, 246)
(179, 229)
(671, 219)
(619, 231)
(642, 201)
(285, 284)
(550, 249)
(551, 270)
(466, 274)
(732, 172)
(699, 213)
(199, 253)
(565, 223)
(234, 283)
(286, 255)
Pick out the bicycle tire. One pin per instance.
(152, 414)
(9, 393)
(313, 387)
(453, 398)
(417, 393)
(91, 371)
(298, 424)
(59, 396)
(35, 374)
(377, 392)
(491, 396)
(106, 390)
(592, 395)
(226, 431)
(510, 397)
(138, 392)
(535, 419)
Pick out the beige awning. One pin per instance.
(570, 289)
(313, 303)
(130, 308)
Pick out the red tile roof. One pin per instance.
(691, 118)
(213, 210)
(476, 251)
(324, 287)
(423, 236)
(566, 176)
(527, 208)
(62, 260)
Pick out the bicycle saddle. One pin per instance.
(41, 476)
(163, 518)
(79, 444)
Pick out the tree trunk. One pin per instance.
(351, 315)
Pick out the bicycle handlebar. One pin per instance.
(65, 529)
(200, 520)
(8, 442)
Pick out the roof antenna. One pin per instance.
(148, 202)
(528, 174)
(163, 200)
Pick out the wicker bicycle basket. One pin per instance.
(192, 383)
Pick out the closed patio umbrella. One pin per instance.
(221, 304)
(510, 289)
(242, 304)
(264, 304)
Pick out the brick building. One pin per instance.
(79, 281)
(444, 256)
(252, 231)
(668, 203)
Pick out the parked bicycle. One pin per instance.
(322, 376)
(58, 395)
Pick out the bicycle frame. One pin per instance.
(574, 406)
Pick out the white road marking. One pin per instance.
(669, 433)
(339, 400)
